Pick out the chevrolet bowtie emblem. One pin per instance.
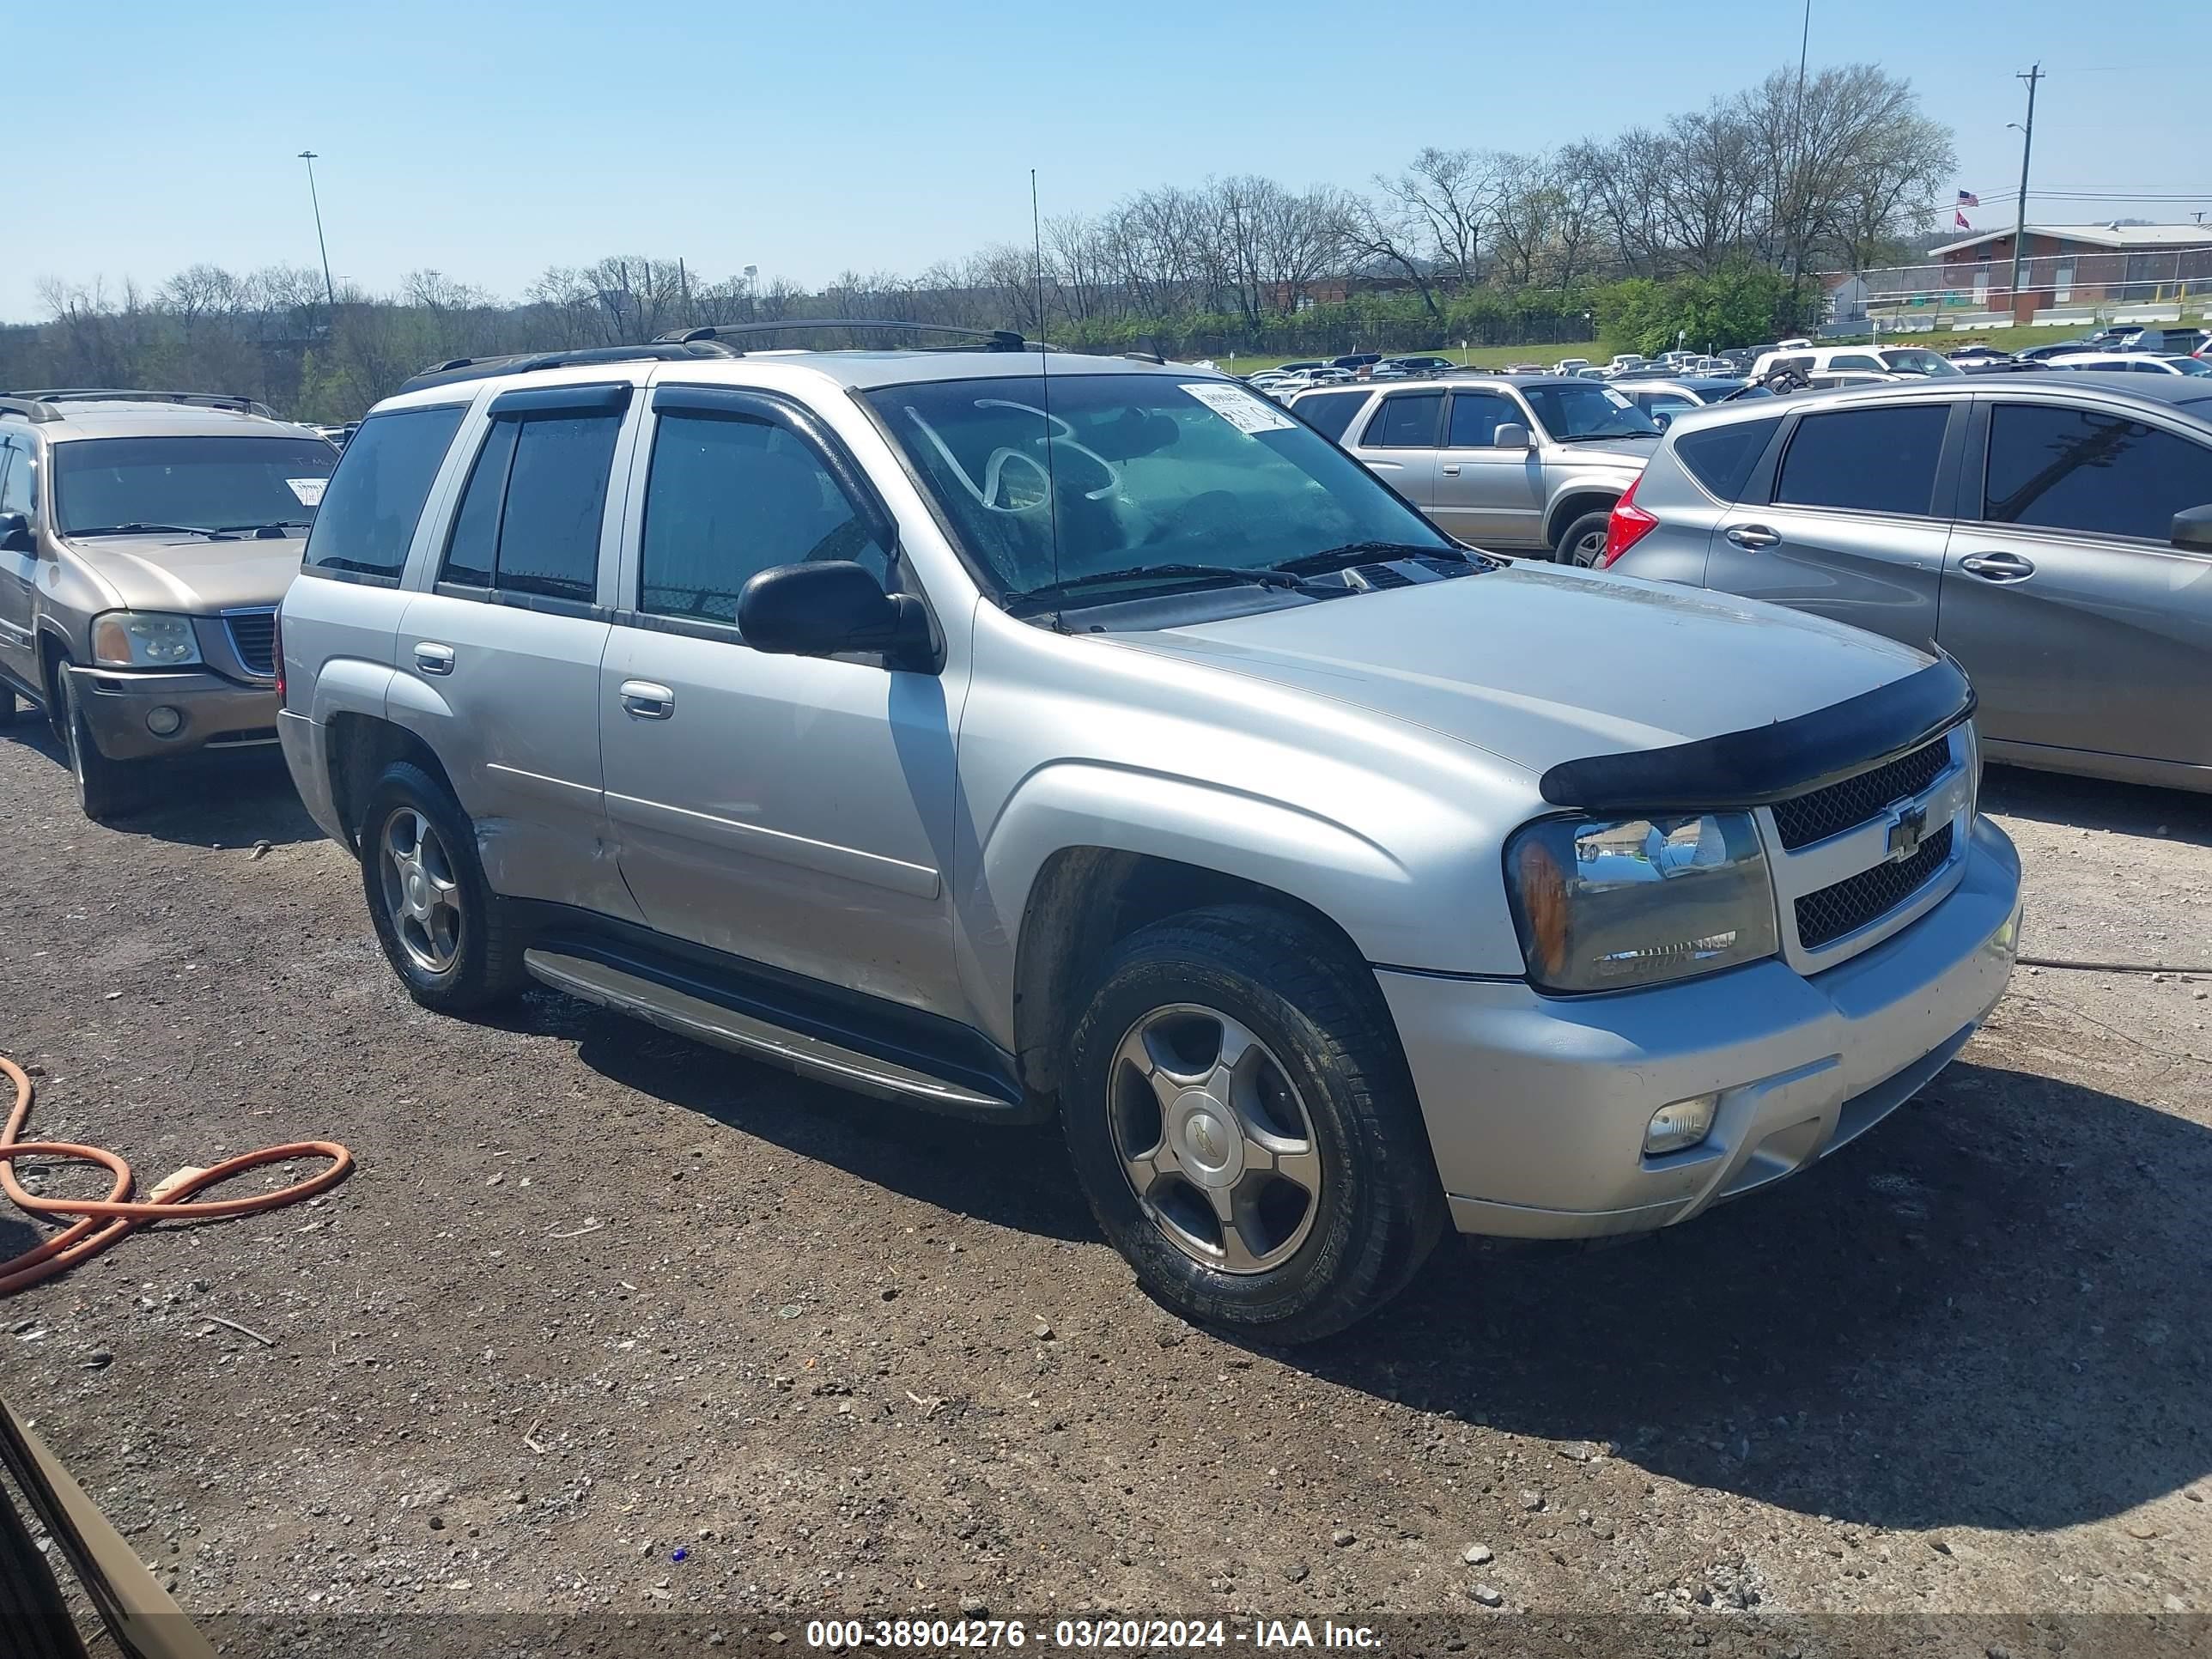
(1905, 833)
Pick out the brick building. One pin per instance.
(2071, 266)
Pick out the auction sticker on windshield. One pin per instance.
(1240, 408)
(309, 490)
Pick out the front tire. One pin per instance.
(106, 789)
(1582, 542)
(1243, 1123)
(450, 939)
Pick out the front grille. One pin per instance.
(1828, 915)
(253, 636)
(1847, 805)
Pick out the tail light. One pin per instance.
(277, 651)
(1629, 524)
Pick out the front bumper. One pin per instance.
(1536, 1106)
(214, 712)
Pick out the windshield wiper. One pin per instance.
(1261, 576)
(1600, 437)
(1352, 553)
(153, 530)
(274, 529)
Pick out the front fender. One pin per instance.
(1385, 900)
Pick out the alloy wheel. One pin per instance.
(1215, 1141)
(420, 891)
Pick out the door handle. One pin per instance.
(1752, 536)
(1997, 566)
(1451, 473)
(643, 700)
(434, 659)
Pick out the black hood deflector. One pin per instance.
(1771, 763)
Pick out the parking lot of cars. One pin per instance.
(890, 719)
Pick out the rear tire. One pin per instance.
(1243, 1124)
(1582, 544)
(451, 940)
(106, 789)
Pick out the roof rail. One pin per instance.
(111, 394)
(478, 368)
(30, 409)
(995, 339)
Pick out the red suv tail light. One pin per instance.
(1629, 524)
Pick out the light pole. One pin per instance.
(329, 288)
(2019, 221)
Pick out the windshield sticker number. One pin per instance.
(1240, 408)
(309, 490)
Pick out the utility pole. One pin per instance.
(2027, 147)
(329, 288)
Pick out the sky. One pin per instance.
(488, 139)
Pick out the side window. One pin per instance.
(374, 497)
(1330, 413)
(1721, 458)
(530, 519)
(2075, 469)
(1476, 416)
(1408, 421)
(1854, 360)
(726, 498)
(1871, 460)
(15, 480)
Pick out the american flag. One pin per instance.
(1967, 199)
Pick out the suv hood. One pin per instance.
(1633, 451)
(191, 574)
(1541, 666)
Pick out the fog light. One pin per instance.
(1677, 1128)
(164, 722)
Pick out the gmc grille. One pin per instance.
(253, 636)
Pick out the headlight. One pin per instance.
(1601, 906)
(134, 639)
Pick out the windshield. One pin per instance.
(2188, 366)
(1912, 360)
(199, 483)
(1590, 410)
(1131, 472)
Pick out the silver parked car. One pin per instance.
(1521, 465)
(145, 538)
(1018, 734)
(2040, 529)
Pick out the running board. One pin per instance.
(692, 1016)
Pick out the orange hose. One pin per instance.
(105, 1221)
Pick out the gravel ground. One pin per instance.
(609, 1324)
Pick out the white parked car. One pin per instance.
(2130, 362)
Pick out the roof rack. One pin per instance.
(30, 409)
(994, 340)
(477, 368)
(110, 394)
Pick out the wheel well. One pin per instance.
(1573, 507)
(361, 747)
(1085, 901)
(52, 649)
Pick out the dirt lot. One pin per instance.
(607, 1322)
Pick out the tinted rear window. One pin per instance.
(1722, 458)
(371, 505)
(1405, 422)
(530, 519)
(1870, 460)
(1329, 416)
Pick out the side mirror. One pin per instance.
(825, 606)
(1509, 434)
(2192, 530)
(1662, 418)
(16, 534)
